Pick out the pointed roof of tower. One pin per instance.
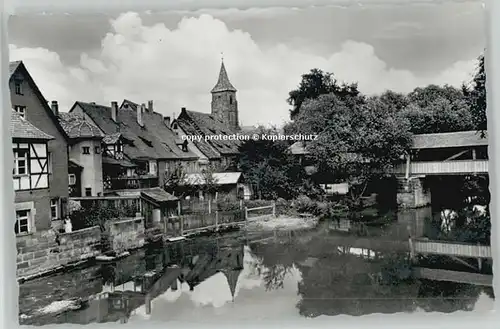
(232, 276)
(223, 84)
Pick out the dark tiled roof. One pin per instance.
(158, 194)
(207, 125)
(21, 128)
(223, 84)
(156, 127)
(202, 145)
(111, 138)
(120, 162)
(18, 67)
(444, 140)
(73, 164)
(145, 145)
(13, 66)
(77, 127)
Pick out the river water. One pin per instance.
(264, 276)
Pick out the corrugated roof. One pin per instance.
(223, 83)
(21, 128)
(445, 140)
(425, 141)
(156, 193)
(223, 178)
(197, 123)
(77, 127)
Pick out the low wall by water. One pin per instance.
(44, 251)
(126, 234)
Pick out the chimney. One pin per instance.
(140, 110)
(183, 110)
(167, 121)
(55, 108)
(150, 106)
(114, 111)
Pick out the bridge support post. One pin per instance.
(147, 303)
(412, 193)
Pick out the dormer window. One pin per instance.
(184, 146)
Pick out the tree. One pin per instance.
(176, 183)
(392, 101)
(316, 83)
(357, 140)
(210, 183)
(435, 109)
(476, 96)
(268, 166)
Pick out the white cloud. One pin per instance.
(178, 67)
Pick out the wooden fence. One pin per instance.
(192, 223)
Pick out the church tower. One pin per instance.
(224, 103)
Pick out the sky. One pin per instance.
(173, 57)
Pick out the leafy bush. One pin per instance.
(303, 204)
(96, 214)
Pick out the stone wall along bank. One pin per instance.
(45, 250)
(125, 234)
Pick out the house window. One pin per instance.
(88, 191)
(230, 99)
(21, 110)
(97, 150)
(152, 167)
(20, 162)
(22, 225)
(72, 179)
(18, 88)
(86, 150)
(54, 209)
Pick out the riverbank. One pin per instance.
(283, 222)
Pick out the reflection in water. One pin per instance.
(230, 278)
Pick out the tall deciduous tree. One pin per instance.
(476, 95)
(269, 168)
(357, 140)
(436, 109)
(316, 83)
(175, 181)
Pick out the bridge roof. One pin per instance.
(446, 140)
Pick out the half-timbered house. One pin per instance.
(34, 205)
(50, 204)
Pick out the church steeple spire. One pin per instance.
(224, 103)
(223, 84)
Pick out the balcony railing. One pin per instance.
(130, 183)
